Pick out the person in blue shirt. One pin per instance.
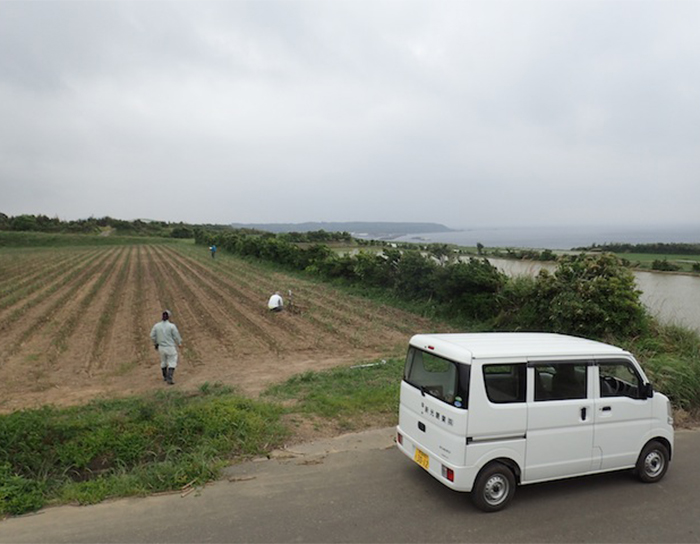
(213, 251)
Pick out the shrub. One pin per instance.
(587, 296)
(664, 266)
(470, 289)
(415, 276)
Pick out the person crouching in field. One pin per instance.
(275, 303)
(166, 339)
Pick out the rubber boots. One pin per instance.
(165, 373)
(169, 376)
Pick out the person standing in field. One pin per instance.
(275, 304)
(213, 251)
(166, 339)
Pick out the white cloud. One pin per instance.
(521, 112)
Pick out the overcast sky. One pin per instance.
(464, 113)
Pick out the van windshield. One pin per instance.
(437, 377)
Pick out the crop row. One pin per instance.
(78, 320)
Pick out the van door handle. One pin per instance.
(606, 409)
(583, 414)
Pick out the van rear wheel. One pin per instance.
(494, 488)
(653, 462)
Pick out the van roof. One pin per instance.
(511, 344)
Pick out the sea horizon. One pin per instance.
(559, 237)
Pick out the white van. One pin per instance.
(485, 412)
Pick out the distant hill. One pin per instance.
(376, 228)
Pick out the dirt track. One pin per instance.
(74, 323)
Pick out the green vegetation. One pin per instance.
(466, 290)
(587, 295)
(659, 248)
(163, 441)
(346, 395)
(103, 226)
(130, 446)
(670, 356)
(521, 254)
(663, 257)
(664, 266)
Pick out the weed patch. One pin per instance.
(345, 395)
(128, 446)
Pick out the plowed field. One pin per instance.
(75, 323)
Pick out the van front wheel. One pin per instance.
(494, 488)
(653, 462)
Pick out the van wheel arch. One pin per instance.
(653, 460)
(495, 485)
(512, 465)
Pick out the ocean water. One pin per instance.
(564, 237)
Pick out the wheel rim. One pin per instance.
(496, 489)
(653, 464)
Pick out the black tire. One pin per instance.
(653, 462)
(494, 488)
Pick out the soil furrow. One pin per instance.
(356, 313)
(27, 363)
(30, 273)
(43, 308)
(106, 312)
(165, 292)
(354, 324)
(318, 330)
(227, 317)
(242, 306)
(16, 263)
(10, 314)
(146, 304)
(62, 337)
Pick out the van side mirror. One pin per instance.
(647, 391)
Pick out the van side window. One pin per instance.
(505, 383)
(560, 381)
(619, 379)
(434, 376)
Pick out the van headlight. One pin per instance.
(669, 411)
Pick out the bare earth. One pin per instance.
(75, 323)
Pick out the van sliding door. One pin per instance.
(560, 420)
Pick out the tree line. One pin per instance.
(660, 248)
(92, 225)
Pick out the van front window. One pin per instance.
(437, 377)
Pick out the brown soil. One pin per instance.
(75, 324)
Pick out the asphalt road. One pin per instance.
(359, 488)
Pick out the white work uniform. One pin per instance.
(166, 335)
(275, 302)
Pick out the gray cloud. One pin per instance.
(466, 113)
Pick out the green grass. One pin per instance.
(347, 394)
(129, 446)
(670, 355)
